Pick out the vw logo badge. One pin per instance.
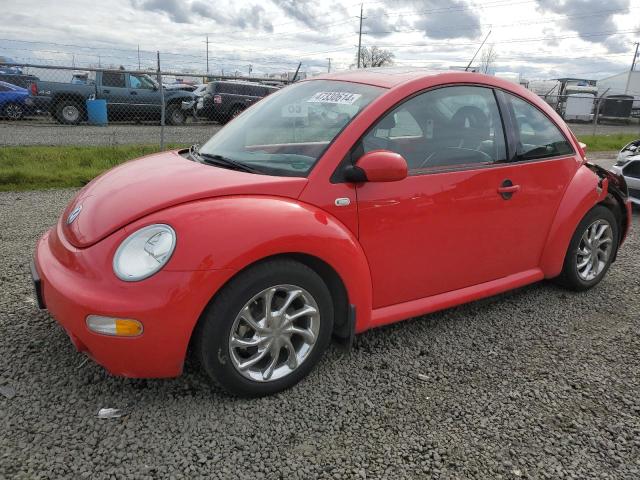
(74, 214)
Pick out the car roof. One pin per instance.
(240, 82)
(389, 77)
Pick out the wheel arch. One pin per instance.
(585, 191)
(61, 98)
(326, 272)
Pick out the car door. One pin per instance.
(113, 88)
(541, 167)
(144, 97)
(447, 225)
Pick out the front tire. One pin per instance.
(592, 249)
(175, 115)
(266, 329)
(235, 111)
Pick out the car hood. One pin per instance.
(140, 187)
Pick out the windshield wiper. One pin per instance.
(223, 161)
(193, 153)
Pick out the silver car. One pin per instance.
(628, 165)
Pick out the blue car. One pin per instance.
(14, 101)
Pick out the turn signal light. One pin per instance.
(117, 327)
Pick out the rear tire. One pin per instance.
(281, 349)
(592, 249)
(69, 112)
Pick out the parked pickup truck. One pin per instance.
(129, 96)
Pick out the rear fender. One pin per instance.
(584, 192)
(231, 233)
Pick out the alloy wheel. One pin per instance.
(274, 333)
(594, 250)
(14, 112)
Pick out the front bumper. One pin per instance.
(74, 283)
(633, 184)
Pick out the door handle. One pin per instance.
(507, 189)
(106, 91)
(133, 93)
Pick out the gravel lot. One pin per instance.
(118, 134)
(39, 133)
(536, 383)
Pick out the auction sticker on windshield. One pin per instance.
(342, 98)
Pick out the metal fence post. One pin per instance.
(596, 115)
(162, 104)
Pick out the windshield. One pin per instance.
(287, 132)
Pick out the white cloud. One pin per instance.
(275, 35)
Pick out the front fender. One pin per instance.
(583, 193)
(231, 233)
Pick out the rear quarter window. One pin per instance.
(538, 136)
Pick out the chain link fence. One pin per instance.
(131, 106)
(44, 104)
(601, 112)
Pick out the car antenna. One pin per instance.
(478, 51)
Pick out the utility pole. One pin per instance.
(633, 66)
(207, 42)
(635, 57)
(139, 57)
(360, 35)
(329, 67)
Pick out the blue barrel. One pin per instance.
(97, 112)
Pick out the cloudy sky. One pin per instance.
(537, 38)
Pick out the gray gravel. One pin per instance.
(537, 383)
(25, 133)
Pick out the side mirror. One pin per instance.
(378, 166)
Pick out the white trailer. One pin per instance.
(626, 83)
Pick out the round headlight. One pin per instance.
(144, 252)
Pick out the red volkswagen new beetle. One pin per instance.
(334, 206)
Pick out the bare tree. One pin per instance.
(488, 58)
(375, 57)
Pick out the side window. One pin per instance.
(113, 79)
(229, 88)
(443, 128)
(139, 81)
(538, 136)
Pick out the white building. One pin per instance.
(626, 83)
